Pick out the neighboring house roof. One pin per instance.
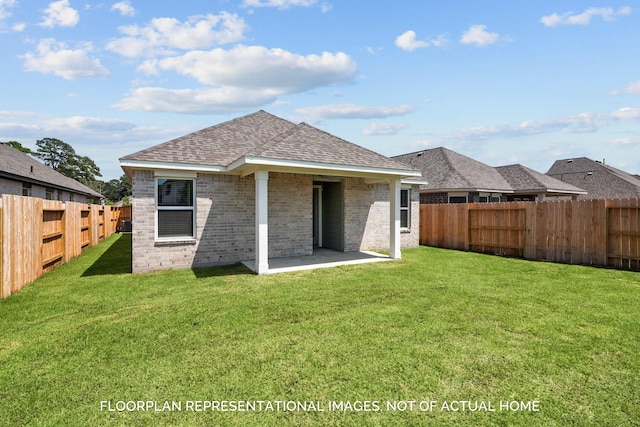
(244, 144)
(527, 181)
(18, 166)
(599, 180)
(446, 170)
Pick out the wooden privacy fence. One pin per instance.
(590, 232)
(37, 235)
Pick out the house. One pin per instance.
(260, 187)
(23, 175)
(531, 185)
(454, 178)
(601, 181)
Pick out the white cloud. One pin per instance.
(384, 128)
(625, 141)
(195, 101)
(257, 67)
(89, 123)
(285, 4)
(407, 41)
(5, 5)
(579, 123)
(19, 27)
(351, 111)
(584, 18)
(54, 57)
(60, 14)
(632, 89)
(162, 35)
(124, 7)
(478, 34)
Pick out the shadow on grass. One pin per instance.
(115, 260)
(226, 270)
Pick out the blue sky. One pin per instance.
(502, 82)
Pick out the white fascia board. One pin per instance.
(551, 190)
(143, 164)
(462, 190)
(266, 161)
(414, 181)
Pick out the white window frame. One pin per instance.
(405, 208)
(182, 177)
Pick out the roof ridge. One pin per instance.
(275, 140)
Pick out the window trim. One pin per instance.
(405, 208)
(158, 208)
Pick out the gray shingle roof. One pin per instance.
(523, 179)
(599, 180)
(446, 170)
(264, 135)
(15, 164)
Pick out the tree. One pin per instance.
(116, 189)
(60, 156)
(18, 146)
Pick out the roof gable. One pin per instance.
(448, 170)
(17, 165)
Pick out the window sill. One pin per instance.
(405, 230)
(177, 241)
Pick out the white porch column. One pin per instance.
(394, 215)
(262, 225)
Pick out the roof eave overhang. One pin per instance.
(247, 165)
(470, 190)
(555, 192)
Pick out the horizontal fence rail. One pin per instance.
(589, 232)
(38, 235)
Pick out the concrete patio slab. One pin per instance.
(321, 258)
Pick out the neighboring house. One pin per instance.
(454, 178)
(260, 187)
(599, 180)
(530, 185)
(23, 175)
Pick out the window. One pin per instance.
(495, 198)
(483, 199)
(457, 199)
(405, 208)
(26, 189)
(48, 194)
(175, 208)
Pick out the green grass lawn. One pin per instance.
(439, 325)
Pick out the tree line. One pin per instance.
(61, 157)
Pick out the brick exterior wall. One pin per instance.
(367, 217)
(225, 220)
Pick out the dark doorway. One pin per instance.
(328, 217)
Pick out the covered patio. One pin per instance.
(321, 258)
